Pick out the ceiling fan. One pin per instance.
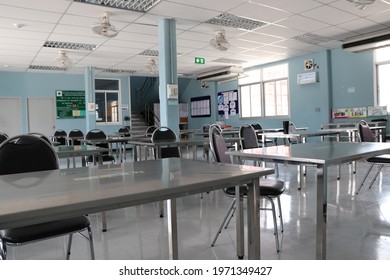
(63, 60)
(104, 27)
(220, 42)
(362, 4)
(151, 66)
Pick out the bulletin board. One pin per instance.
(70, 104)
(200, 107)
(228, 103)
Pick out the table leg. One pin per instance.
(239, 224)
(322, 202)
(253, 208)
(172, 229)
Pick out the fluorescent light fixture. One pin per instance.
(70, 45)
(141, 6)
(229, 20)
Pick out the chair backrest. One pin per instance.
(60, 136)
(74, 134)
(365, 133)
(26, 153)
(257, 126)
(165, 134)
(149, 131)
(218, 145)
(95, 134)
(40, 135)
(3, 137)
(124, 131)
(248, 133)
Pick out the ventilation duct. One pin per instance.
(224, 74)
(367, 42)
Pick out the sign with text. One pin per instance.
(70, 104)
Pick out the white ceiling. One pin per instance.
(68, 21)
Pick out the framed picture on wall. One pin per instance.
(201, 107)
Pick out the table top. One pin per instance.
(147, 141)
(77, 150)
(34, 197)
(320, 153)
(299, 133)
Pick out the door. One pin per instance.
(41, 115)
(10, 116)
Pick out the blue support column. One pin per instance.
(90, 117)
(169, 109)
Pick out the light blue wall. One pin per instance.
(44, 85)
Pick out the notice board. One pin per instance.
(228, 103)
(70, 104)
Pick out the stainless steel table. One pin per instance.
(301, 135)
(36, 197)
(78, 151)
(323, 155)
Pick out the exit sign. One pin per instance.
(199, 60)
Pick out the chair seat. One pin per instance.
(44, 230)
(380, 159)
(268, 187)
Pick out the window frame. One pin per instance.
(262, 83)
(105, 92)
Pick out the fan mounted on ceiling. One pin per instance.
(104, 27)
(220, 42)
(63, 60)
(151, 66)
(362, 4)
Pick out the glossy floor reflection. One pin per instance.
(358, 225)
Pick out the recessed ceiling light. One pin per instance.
(18, 25)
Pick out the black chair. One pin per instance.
(96, 135)
(165, 134)
(258, 128)
(60, 136)
(365, 135)
(3, 137)
(250, 140)
(205, 129)
(124, 131)
(27, 153)
(269, 189)
(75, 136)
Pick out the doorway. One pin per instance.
(41, 115)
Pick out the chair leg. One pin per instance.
(91, 246)
(69, 246)
(232, 204)
(365, 178)
(3, 250)
(280, 214)
(276, 233)
(376, 176)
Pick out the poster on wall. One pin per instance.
(228, 103)
(200, 106)
(70, 104)
(376, 111)
(343, 113)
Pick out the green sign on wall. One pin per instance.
(70, 104)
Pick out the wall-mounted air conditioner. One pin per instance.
(223, 74)
(367, 42)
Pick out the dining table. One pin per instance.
(323, 155)
(37, 197)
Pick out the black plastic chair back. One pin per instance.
(3, 137)
(75, 135)
(40, 135)
(60, 136)
(26, 153)
(218, 145)
(165, 134)
(249, 136)
(365, 133)
(124, 131)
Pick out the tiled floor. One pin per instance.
(358, 225)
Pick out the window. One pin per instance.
(107, 101)
(382, 60)
(264, 92)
